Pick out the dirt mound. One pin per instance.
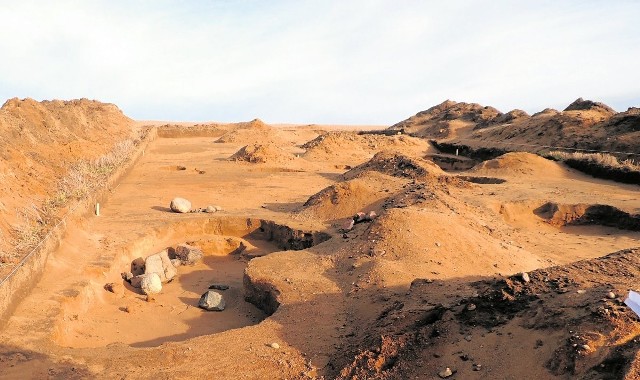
(397, 165)
(444, 119)
(253, 132)
(352, 145)
(446, 240)
(344, 199)
(40, 141)
(520, 163)
(261, 153)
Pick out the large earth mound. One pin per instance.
(444, 119)
(40, 141)
(260, 154)
(354, 146)
(520, 163)
(397, 165)
(253, 132)
(344, 199)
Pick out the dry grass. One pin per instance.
(31, 229)
(81, 180)
(87, 176)
(602, 159)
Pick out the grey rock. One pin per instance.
(188, 254)
(210, 209)
(161, 264)
(180, 205)
(176, 262)
(218, 208)
(525, 277)
(211, 301)
(219, 286)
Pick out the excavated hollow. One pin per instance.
(94, 317)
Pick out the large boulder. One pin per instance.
(150, 283)
(160, 264)
(180, 205)
(212, 301)
(188, 254)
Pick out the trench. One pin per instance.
(95, 317)
(483, 180)
(585, 214)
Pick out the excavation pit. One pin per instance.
(97, 317)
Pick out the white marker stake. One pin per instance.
(97, 209)
(633, 301)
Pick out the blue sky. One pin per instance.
(345, 62)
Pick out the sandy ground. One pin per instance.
(329, 294)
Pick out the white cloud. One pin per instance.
(319, 61)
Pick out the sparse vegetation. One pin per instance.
(602, 159)
(600, 165)
(82, 179)
(86, 176)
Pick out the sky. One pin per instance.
(319, 61)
